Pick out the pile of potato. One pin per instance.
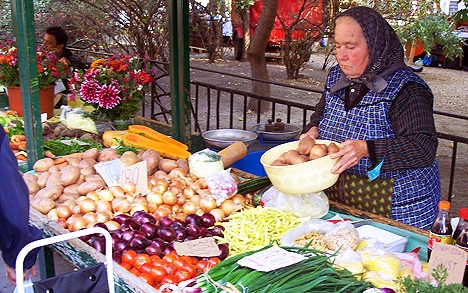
(55, 130)
(70, 190)
(307, 150)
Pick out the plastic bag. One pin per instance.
(221, 185)
(27, 285)
(77, 118)
(344, 235)
(350, 260)
(314, 226)
(382, 267)
(313, 205)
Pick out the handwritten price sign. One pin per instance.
(452, 258)
(270, 259)
(109, 171)
(136, 174)
(203, 247)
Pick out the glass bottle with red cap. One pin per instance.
(463, 219)
(441, 230)
(461, 240)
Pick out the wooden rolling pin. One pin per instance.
(233, 153)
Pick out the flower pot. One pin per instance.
(46, 100)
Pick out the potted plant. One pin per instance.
(432, 31)
(50, 68)
(115, 87)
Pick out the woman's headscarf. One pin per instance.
(385, 50)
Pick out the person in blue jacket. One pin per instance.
(15, 231)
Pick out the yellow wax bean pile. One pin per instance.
(254, 228)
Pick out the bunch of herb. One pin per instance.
(122, 148)
(76, 145)
(13, 127)
(407, 285)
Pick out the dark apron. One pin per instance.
(371, 196)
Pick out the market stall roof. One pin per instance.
(23, 27)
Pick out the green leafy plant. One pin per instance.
(433, 30)
(50, 67)
(440, 275)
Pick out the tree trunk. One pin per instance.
(256, 55)
(245, 17)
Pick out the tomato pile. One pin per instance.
(169, 269)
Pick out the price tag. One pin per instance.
(270, 259)
(203, 247)
(136, 174)
(110, 171)
(452, 258)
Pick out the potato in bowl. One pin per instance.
(310, 176)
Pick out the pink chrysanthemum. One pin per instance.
(108, 96)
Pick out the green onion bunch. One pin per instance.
(314, 274)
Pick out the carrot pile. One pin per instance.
(18, 145)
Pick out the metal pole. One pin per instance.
(180, 69)
(23, 27)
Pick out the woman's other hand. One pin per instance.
(313, 132)
(351, 152)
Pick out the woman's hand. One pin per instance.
(313, 132)
(11, 274)
(351, 152)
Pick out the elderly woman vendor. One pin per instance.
(382, 114)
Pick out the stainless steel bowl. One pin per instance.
(222, 138)
(290, 132)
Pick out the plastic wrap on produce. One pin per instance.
(313, 205)
(77, 118)
(205, 162)
(221, 185)
(325, 235)
(317, 226)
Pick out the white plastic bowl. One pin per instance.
(308, 177)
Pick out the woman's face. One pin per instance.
(352, 53)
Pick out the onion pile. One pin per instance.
(175, 194)
(144, 234)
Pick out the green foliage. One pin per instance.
(461, 14)
(122, 148)
(440, 275)
(433, 30)
(76, 145)
(242, 5)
